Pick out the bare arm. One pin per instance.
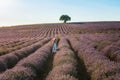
(53, 40)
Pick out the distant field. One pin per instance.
(87, 51)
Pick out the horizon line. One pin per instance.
(55, 23)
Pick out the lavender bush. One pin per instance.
(64, 63)
(12, 58)
(33, 63)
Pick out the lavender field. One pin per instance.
(87, 51)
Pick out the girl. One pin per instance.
(55, 42)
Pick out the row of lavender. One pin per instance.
(12, 46)
(28, 68)
(98, 66)
(108, 45)
(64, 63)
(9, 60)
(15, 42)
(35, 31)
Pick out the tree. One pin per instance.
(65, 18)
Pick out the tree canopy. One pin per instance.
(65, 18)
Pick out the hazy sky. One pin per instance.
(14, 12)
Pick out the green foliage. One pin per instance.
(101, 44)
(3, 51)
(65, 18)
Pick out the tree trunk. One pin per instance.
(65, 21)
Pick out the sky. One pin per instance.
(19, 12)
